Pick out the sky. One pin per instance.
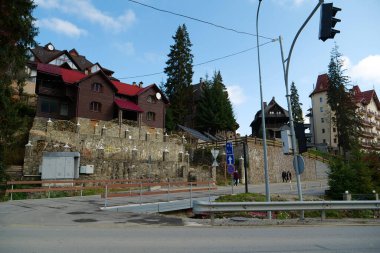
(134, 40)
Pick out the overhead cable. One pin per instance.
(199, 20)
(205, 62)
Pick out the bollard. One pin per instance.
(106, 196)
(49, 192)
(140, 193)
(323, 215)
(347, 196)
(212, 217)
(81, 190)
(191, 191)
(12, 193)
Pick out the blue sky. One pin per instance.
(134, 40)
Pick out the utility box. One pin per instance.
(60, 165)
(286, 139)
(87, 169)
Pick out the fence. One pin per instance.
(110, 188)
(201, 207)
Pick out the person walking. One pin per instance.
(283, 175)
(236, 177)
(289, 176)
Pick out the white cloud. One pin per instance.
(126, 48)
(367, 71)
(61, 26)
(86, 10)
(236, 94)
(288, 3)
(47, 3)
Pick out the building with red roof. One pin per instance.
(324, 132)
(70, 87)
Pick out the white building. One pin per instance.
(321, 117)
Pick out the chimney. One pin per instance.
(140, 84)
(265, 105)
(201, 80)
(134, 83)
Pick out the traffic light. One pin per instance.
(328, 21)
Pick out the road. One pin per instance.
(167, 239)
(78, 224)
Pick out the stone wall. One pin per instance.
(137, 153)
(130, 152)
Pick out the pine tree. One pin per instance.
(17, 34)
(342, 104)
(295, 104)
(214, 111)
(179, 70)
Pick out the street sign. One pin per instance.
(301, 163)
(230, 168)
(229, 148)
(215, 153)
(230, 158)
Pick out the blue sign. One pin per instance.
(230, 159)
(300, 162)
(229, 148)
(230, 169)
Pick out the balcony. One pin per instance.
(366, 123)
(371, 113)
(367, 134)
(362, 111)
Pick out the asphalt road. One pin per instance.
(168, 239)
(78, 224)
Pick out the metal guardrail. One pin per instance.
(201, 207)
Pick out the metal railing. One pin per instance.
(108, 188)
(202, 207)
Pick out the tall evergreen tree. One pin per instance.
(179, 70)
(342, 104)
(17, 34)
(214, 111)
(295, 104)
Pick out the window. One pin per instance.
(151, 99)
(323, 130)
(334, 129)
(151, 116)
(324, 140)
(49, 106)
(96, 87)
(64, 109)
(320, 100)
(322, 120)
(334, 140)
(62, 60)
(95, 106)
(321, 109)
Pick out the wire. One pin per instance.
(205, 62)
(199, 20)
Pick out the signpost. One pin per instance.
(230, 159)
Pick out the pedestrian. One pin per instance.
(283, 175)
(289, 176)
(236, 177)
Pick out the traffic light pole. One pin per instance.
(286, 74)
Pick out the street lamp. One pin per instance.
(267, 192)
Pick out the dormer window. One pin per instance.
(63, 59)
(96, 87)
(95, 68)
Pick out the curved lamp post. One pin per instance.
(267, 191)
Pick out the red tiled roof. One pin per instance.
(126, 89)
(127, 105)
(68, 76)
(322, 84)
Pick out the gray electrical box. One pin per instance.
(60, 165)
(286, 139)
